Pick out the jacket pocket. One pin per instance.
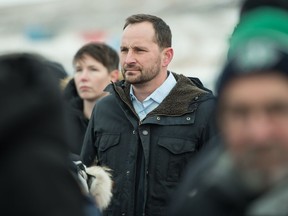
(174, 153)
(108, 149)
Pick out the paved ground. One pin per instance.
(57, 28)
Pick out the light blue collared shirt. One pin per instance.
(154, 99)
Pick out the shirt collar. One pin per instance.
(161, 92)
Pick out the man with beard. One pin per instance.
(248, 174)
(152, 123)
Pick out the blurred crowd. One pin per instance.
(124, 135)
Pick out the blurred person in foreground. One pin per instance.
(96, 65)
(247, 174)
(58, 69)
(152, 123)
(36, 175)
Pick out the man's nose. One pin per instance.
(130, 57)
(260, 128)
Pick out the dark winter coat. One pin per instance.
(203, 192)
(77, 120)
(213, 186)
(147, 157)
(35, 169)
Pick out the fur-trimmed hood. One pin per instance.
(96, 181)
(101, 185)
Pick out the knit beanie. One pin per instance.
(258, 44)
(264, 22)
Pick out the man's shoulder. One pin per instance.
(106, 100)
(199, 84)
(194, 81)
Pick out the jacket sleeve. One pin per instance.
(88, 152)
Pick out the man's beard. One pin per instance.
(145, 75)
(262, 167)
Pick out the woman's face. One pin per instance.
(91, 77)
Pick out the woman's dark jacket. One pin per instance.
(76, 118)
(147, 157)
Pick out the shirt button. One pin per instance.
(123, 214)
(145, 132)
(158, 118)
(196, 98)
(128, 172)
(134, 132)
(188, 118)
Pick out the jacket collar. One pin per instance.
(71, 96)
(178, 101)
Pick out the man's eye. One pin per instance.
(140, 50)
(279, 109)
(124, 50)
(238, 113)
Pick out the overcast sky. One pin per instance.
(17, 2)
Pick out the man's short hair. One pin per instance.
(163, 33)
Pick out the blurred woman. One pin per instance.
(95, 65)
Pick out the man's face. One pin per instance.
(254, 123)
(140, 57)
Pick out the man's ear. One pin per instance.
(114, 75)
(167, 56)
